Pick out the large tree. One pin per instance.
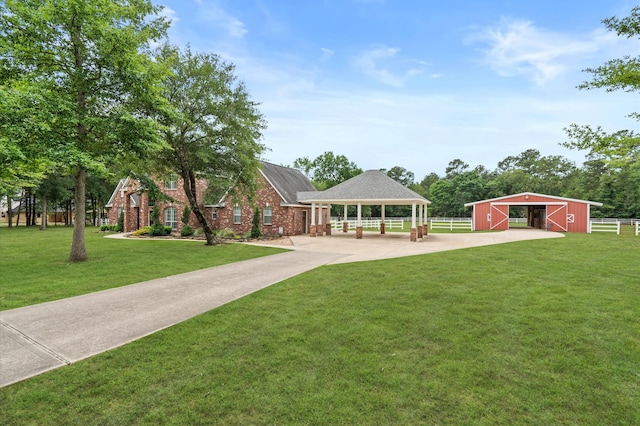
(85, 61)
(327, 170)
(620, 149)
(212, 130)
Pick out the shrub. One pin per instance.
(226, 233)
(186, 215)
(255, 227)
(120, 226)
(186, 231)
(108, 228)
(158, 230)
(142, 231)
(199, 231)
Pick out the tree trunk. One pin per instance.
(27, 207)
(43, 224)
(19, 209)
(78, 251)
(9, 210)
(189, 185)
(33, 209)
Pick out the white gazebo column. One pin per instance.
(345, 222)
(425, 225)
(420, 220)
(312, 228)
(327, 228)
(319, 228)
(413, 223)
(359, 222)
(382, 225)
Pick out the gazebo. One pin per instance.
(369, 188)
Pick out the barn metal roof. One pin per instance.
(533, 194)
(370, 187)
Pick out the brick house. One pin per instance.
(277, 192)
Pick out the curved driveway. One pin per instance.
(42, 337)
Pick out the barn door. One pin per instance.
(557, 218)
(499, 217)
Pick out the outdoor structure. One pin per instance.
(542, 212)
(372, 187)
(276, 197)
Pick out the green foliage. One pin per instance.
(159, 230)
(327, 170)
(226, 233)
(145, 230)
(212, 129)
(120, 225)
(186, 215)
(621, 149)
(255, 224)
(186, 231)
(112, 228)
(84, 65)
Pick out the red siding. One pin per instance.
(574, 217)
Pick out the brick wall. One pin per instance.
(139, 216)
(290, 218)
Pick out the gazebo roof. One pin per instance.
(369, 188)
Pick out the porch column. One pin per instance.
(319, 230)
(425, 226)
(312, 228)
(345, 222)
(327, 228)
(419, 220)
(414, 232)
(359, 222)
(382, 225)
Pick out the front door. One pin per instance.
(305, 222)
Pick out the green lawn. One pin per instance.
(537, 332)
(35, 267)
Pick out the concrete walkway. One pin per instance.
(42, 337)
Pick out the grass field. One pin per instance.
(35, 267)
(537, 332)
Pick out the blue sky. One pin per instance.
(415, 83)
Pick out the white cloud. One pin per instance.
(379, 61)
(517, 47)
(326, 54)
(219, 17)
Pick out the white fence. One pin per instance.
(367, 223)
(637, 228)
(604, 225)
(451, 224)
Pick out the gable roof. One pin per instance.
(286, 181)
(370, 187)
(122, 183)
(533, 194)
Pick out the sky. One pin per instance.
(415, 83)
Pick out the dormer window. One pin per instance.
(171, 182)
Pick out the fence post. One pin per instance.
(618, 233)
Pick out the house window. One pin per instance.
(237, 215)
(170, 217)
(120, 210)
(267, 212)
(214, 214)
(171, 181)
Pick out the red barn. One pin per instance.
(542, 211)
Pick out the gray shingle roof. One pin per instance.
(286, 181)
(370, 187)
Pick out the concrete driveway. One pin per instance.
(374, 246)
(42, 337)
